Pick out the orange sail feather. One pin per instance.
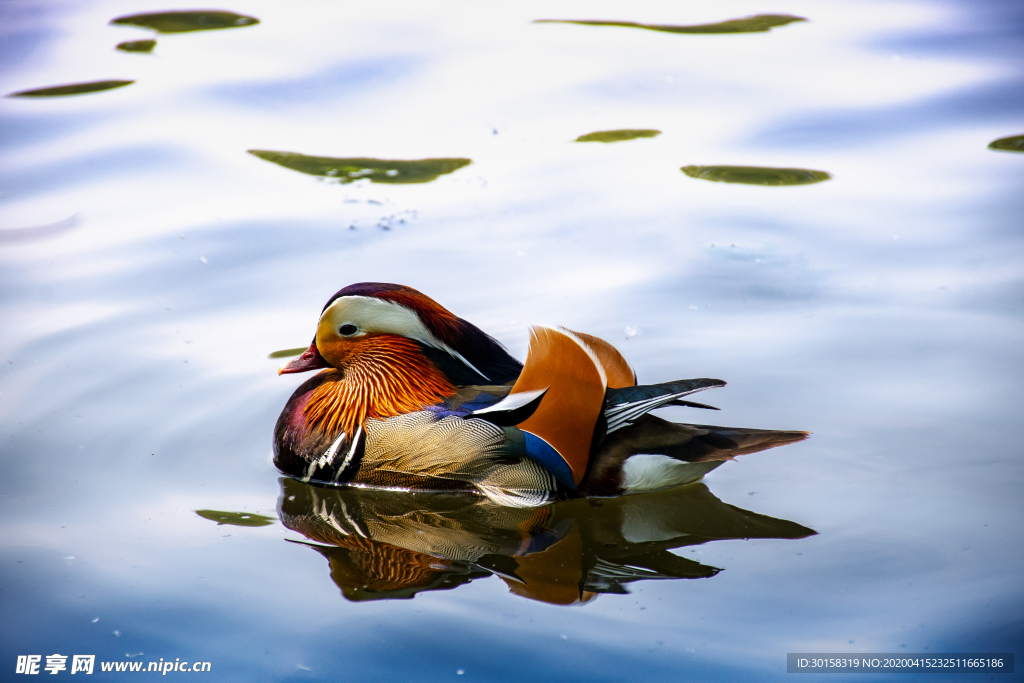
(616, 369)
(561, 362)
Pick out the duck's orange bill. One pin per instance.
(309, 360)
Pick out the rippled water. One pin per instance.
(150, 265)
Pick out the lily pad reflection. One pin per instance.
(756, 24)
(71, 89)
(137, 46)
(348, 170)
(1014, 143)
(185, 21)
(756, 175)
(235, 518)
(287, 353)
(618, 135)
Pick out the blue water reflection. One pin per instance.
(985, 104)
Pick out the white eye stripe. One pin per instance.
(377, 315)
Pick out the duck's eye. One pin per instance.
(347, 330)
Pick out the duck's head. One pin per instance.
(357, 318)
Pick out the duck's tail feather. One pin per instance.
(625, 405)
(691, 404)
(574, 375)
(685, 443)
(726, 443)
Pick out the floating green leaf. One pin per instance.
(71, 89)
(235, 518)
(756, 175)
(352, 169)
(618, 135)
(137, 46)
(756, 24)
(287, 353)
(185, 21)
(1014, 143)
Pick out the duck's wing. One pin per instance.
(475, 396)
(560, 430)
(623, 406)
(512, 410)
(617, 371)
(573, 386)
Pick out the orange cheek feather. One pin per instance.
(337, 351)
(378, 376)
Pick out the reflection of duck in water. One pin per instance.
(386, 544)
(414, 397)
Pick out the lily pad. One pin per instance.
(288, 353)
(618, 135)
(756, 175)
(186, 21)
(235, 518)
(348, 170)
(71, 89)
(756, 24)
(1014, 143)
(137, 46)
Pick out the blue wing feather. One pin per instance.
(539, 450)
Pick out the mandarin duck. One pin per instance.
(412, 397)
